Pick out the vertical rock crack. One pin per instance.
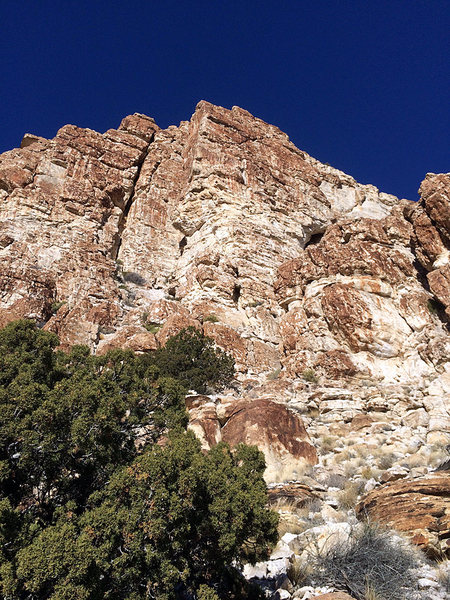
(123, 219)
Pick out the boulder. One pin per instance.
(294, 494)
(418, 507)
(276, 430)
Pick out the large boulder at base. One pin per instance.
(418, 507)
(277, 431)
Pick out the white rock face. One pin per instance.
(330, 295)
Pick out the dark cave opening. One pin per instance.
(314, 239)
(236, 293)
(182, 245)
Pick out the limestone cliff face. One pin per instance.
(222, 223)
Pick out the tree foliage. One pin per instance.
(192, 358)
(91, 506)
(67, 420)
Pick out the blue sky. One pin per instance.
(363, 85)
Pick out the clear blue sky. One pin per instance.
(363, 85)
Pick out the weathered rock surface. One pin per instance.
(294, 494)
(274, 428)
(63, 204)
(332, 296)
(418, 507)
(432, 234)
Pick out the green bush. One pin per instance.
(173, 517)
(56, 306)
(432, 306)
(68, 419)
(151, 326)
(83, 514)
(206, 593)
(309, 375)
(193, 359)
(212, 318)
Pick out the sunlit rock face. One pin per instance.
(419, 507)
(278, 431)
(63, 204)
(314, 282)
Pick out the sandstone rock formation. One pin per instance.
(63, 206)
(332, 296)
(418, 507)
(295, 494)
(276, 430)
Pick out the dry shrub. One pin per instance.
(362, 450)
(415, 460)
(132, 277)
(294, 519)
(372, 564)
(298, 572)
(346, 454)
(367, 472)
(290, 524)
(352, 466)
(348, 497)
(312, 520)
(386, 461)
(327, 442)
(371, 594)
(314, 505)
(436, 457)
(293, 472)
(335, 480)
(443, 574)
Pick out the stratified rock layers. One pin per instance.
(223, 224)
(63, 204)
(419, 507)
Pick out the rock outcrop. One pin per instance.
(275, 429)
(418, 507)
(333, 297)
(63, 205)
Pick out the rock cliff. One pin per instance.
(333, 297)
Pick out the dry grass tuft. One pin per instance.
(348, 497)
(386, 461)
(298, 572)
(415, 460)
(367, 472)
(327, 443)
(290, 524)
(443, 574)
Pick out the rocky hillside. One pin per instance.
(121, 239)
(333, 297)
